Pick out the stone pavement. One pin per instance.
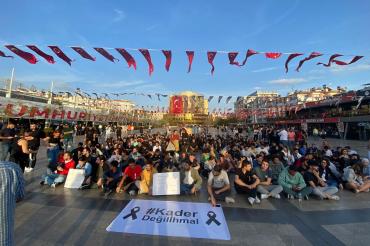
(72, 217)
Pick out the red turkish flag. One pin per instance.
(2, 54)
(331, 59)
(147, 57)
(61, 54)
(190, 55)
(273, 55)
(211, 56)
(311, 56)
(232, 56)
(249, 54)
(47, 57)
(128, 57)
(83, 53)
(291, 57)
(177, 105)
(23, 54)
(342, 63)
(168, 55)
(106, 54)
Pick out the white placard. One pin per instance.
(171, 218)
(75, 178)
(166, 184)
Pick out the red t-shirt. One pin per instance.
(67, 165)
(133, 173)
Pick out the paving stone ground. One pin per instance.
(72, 217)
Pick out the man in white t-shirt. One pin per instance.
(283, 134)
(218, 186)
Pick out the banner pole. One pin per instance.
(9, 93)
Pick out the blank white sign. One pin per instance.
(166, 184)
(75, 178)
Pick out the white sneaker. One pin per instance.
(257, 200)
(277, 196)
(335, 198)
(27, 169)
(52, 185)
(30, 169)
(264, 196)
(132, 193)
(229, 200)
(251, 200)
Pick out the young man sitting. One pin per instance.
(131, 178)
(293, 183)
(111, 178)
(146, 182)
(86, 166)
(265, 187)
(246, 182)
(318, 185)
(60, 175)
(190, 180)
(219, 186)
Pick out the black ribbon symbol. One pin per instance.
(132, 213)
(212, 218)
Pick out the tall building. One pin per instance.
(188, 107)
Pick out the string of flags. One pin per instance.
(131, 62)
(154, 96)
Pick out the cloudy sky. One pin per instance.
(331, 26)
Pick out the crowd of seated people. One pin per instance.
(274, 165)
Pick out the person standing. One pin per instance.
(6, 139)
(33, 145)
(19, 152)
(11, 191)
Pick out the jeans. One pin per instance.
(221, 196)
(269, 189)
(4, 150)
(244, 190)
(304, 192)
(33, 159)
(322, 192)
(185, 189)
(52, 154)
(284, 142)
(54, 178)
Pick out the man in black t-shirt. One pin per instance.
(90, 135)
(246, 182)
(6, 139)
(33, 145)
(318, 185)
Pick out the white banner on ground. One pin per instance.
(171, 218)
(75, 178)
(166, 184)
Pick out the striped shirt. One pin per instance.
(11, 191)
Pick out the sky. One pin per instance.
(331, 26)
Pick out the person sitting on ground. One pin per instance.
(353, 181)
(101, 168)
(190, 180)
(111, 178)
(130, 179)
(329, 174)
(258, 161)
(86, 166)
(60, 175)
(293, 183)
(276, 167)
(218, 186)
(318, 185)
(146, 182)
(365, 168)
(265, 187)
(246, 182)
